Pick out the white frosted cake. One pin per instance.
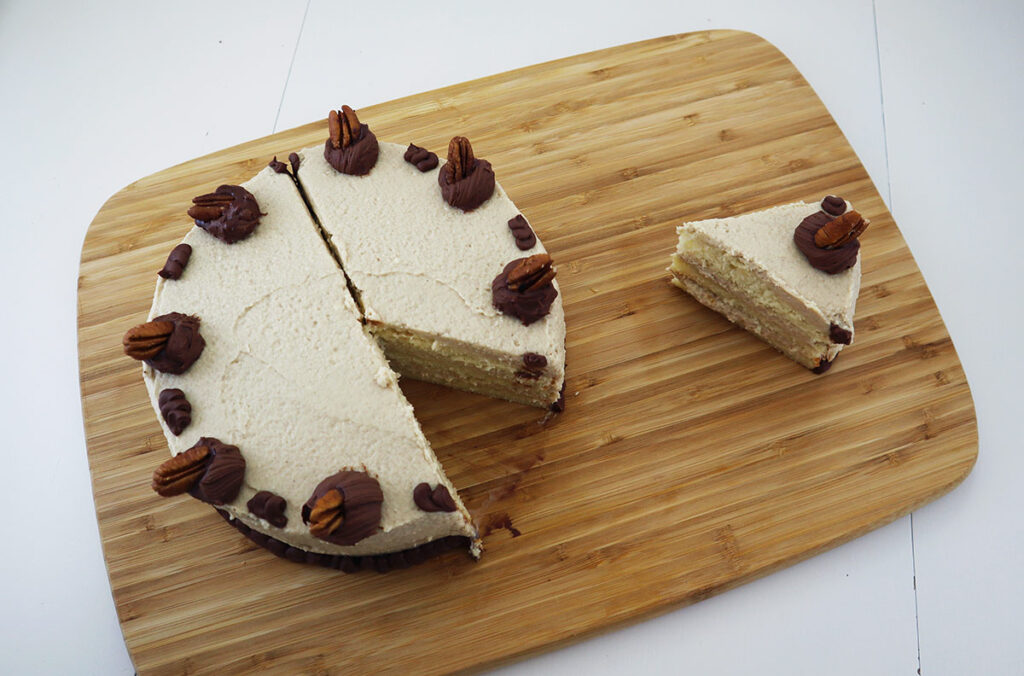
(773, 274)
(277, 401)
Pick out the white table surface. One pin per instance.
(95, 95)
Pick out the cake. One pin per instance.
(789, 274)
(415, 262)
(263, 356)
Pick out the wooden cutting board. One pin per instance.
(691, 458)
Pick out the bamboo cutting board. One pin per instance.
(691, 458)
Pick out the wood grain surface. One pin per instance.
(691, 457)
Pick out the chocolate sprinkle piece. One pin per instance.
(421, 158)
(269, 507)
(278, 167)
(293, 159)
(533, 366)
(839, 335)
(833, 206)
(823, 365)
(559, 405)
(436, 500)
(175, 410)
(176, 262)
(534, 361)
(525, 239)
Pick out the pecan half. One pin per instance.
(841, 230)
(327, 514)
(178, 474)
(460, 158)
(533, 273)
(146, 340)
(342, 127)
(210, 206)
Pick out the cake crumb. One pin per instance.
(383, 378)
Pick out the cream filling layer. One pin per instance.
(737, 278)
(803, 346)
(462, 367)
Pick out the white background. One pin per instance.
(95, 95)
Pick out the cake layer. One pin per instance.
(290, 376)
(454, 365)
(421, 267)
(803, 348)
(772, 319)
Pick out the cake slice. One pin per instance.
(428, 247)
(272, 395)
(773, 274)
